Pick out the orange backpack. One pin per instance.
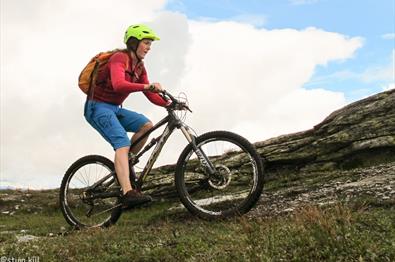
(88, 74)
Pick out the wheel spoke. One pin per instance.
(81, 204)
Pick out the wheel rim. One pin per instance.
(78, 201)
(230, 188)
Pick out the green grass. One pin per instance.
(355, 232)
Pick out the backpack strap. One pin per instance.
(137, 67)
(94, 72)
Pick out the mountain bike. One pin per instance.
(219, 174)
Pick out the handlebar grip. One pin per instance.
(165, 93)
(163, 96)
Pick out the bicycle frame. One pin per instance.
(173, 122)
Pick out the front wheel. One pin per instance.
(234, 184)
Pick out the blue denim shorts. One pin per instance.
(112, 122)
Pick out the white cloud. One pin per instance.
(296, 111)
(389, 87)
(381, 73)
(371, 75)
(44, 45)
(240, 79)
(237, 77)
(252, 19)
(390, 36)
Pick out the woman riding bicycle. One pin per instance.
(124, 74)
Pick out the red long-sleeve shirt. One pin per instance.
(114, 82)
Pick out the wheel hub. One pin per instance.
(222, 177)
(86, 197)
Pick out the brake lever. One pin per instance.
(162, 94)
(187, 107)
(172, 98)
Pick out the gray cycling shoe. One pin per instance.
(134, 198)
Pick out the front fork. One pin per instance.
(204, 160)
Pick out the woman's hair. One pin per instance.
(132, 44)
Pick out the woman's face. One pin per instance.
(143, 48)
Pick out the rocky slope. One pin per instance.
(361, 187)
(360, 134)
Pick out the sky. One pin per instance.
(259, 68)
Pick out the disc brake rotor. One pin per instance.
(222, 178)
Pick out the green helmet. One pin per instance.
(140, 32)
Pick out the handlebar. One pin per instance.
(174, 101)
(167, 94)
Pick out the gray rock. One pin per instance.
(26, 238)
(356, 135)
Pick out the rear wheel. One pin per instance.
(82, 203)
(234, 187)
